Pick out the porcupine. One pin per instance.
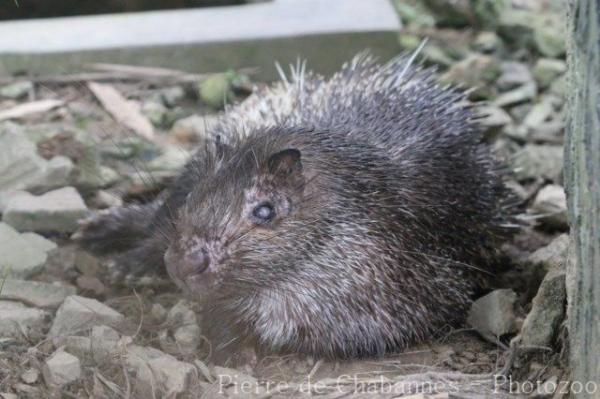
(341, 217)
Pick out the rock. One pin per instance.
(38, 294)
(543, 31)
(460, 13)
(193, 129)
(17, 90)
(19, 321)
(559, 86)
(551, 202)
(172, 159)
(549, 35)
(436, 55)
(155, 112)
(78, 314)
(539, 160)
(59, 172)
(105, 199)
(158, 312)
(104, 342)
(57, 211)
(515, 27)
(551, 132)
(516, 96)
(513, 74)
(87, 264)
(21, 168)
(476, 70)
(518, 133)
(493, 315)
(183, 328)
(158, 369)
(552, 256)
(170, 96)
(487, 42)
(493, 119)
(538, 114)
(90, 173)
(547, 311)
(77, 346)
(546, 70)
(23, 255)
(61, 368)
(91, 285)
(30, 376)
(6, 395)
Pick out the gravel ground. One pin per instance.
(70, 146)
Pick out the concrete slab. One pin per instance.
(327, 32)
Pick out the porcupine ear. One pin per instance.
(286, 163)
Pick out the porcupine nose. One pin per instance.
(194, 262)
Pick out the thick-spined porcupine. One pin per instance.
(337, 217)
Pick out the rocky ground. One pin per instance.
(71, 145)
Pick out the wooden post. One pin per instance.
(582, 182)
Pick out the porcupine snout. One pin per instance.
(193, 263)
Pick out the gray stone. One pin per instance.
(77, 346)
(559, 86)
(516, 96)
(183, 333)
(551, 203)
(19, 321)
(106, 199)
(539, 160)
(475, 70)
(546, 70)
(38, 294)
(518, 133)
(551, 132)
(493, 119)
(23, 255)
(78, 314)
(57, 210)
(547, 312)
(104, 342)
(172, 159)
(544, 31)
(513, 74)
(487, 42)
(493, 315)
(170, 96)
(16, 90)
(61, 368)
(21, 168)
(158, 369)
(552, 256)
(538, 114)
(207, 39)
(194, 128)
(155, 112)
(30, 376)
(515, 26)
(549, 35)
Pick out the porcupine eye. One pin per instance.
(264, 212)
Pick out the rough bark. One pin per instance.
(582, 182)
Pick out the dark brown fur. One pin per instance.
(386, 207)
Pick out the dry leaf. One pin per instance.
(122, 110)
(33, 107)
